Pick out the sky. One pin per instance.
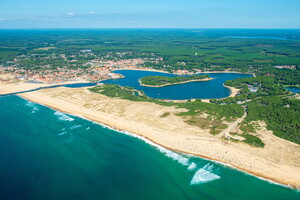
(149, 14)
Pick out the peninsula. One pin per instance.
(161, 81)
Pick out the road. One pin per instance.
(232, 127)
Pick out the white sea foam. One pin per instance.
(88, 128)
(151, 143)
(204, 175)
(75, 126)
(63, 117)
(29, 104)
(62, 133)
(159, 148)
(192, 166)
(32, 105)
(175, 156)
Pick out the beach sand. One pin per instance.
(7, 88)
(278, 160)
(233, 91)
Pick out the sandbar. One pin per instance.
(20, 86)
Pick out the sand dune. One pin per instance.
(278, 160)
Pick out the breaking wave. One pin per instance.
(63, 117)
(32, 105)
(75, 126)
(62, 133)
(192, 166)
(204, 175)
(175, 156)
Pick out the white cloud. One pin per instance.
(71, 13)
(115, 12)
(92, 13)
(2, 19)
(40, 18)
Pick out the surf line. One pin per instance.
(202, 175)
(161, 146)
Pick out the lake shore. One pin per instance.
(233, 91)
(144, 119)
(157, 86)
(204, 72)
(225, 71)
(144, 69)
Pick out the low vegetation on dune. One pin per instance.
(281, 113)
(216, 113)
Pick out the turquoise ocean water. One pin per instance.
(46, 154)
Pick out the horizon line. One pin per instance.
(33, 28)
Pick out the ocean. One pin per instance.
(47, 154)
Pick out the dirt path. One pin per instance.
(233, 126)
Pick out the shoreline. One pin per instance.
(234, 72)
(158, 86)
(149, 137)
(155, 144)
(204, 72)
(11, 88)
(22, 86)
(149, 70)
(233, 91)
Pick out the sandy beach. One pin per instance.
(278, 160)
(7, 88)
(233, 91)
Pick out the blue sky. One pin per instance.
(149, 14)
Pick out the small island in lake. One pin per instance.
(161, 81)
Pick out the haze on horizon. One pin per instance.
(149, 14)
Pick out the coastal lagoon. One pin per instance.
(47, 154)
(294, 89)
(192, 90)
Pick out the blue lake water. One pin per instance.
(294, 89)
(46, 154)
(200, 89)
(193, 90)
